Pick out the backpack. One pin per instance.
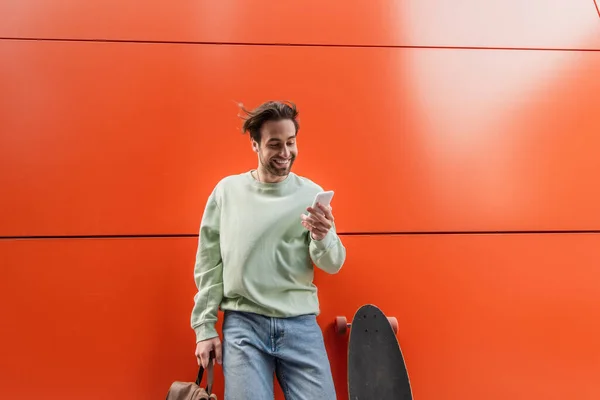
(192, 390)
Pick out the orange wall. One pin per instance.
(465, 144)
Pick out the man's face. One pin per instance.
(278, 150)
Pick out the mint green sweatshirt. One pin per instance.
(254, 254)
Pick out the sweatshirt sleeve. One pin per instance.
(329, 253)
(208, 274)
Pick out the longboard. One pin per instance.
(376, 367)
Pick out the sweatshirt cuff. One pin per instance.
(205, 331)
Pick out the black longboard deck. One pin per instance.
(376, 368)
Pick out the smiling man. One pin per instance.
(255, 258)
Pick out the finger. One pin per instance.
(219, 353)
(316, 235)
(315, 217)
(324, 220)
(314, 211)
(308, 226)
(323, 215)
(305, 221)
(318, 227)
(327, 211)
(197, 354)
(317, 230)
(204, 359)
(321, 222)
(310, 220)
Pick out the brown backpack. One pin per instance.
(192, 390)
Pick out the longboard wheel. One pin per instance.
(394, 323)
(341, 325)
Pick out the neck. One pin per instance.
(264, 176)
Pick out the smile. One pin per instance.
(281, 162)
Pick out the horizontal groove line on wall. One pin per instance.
(133, 41)
(399, 233)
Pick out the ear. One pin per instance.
(254, 146)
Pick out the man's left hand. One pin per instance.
(319, 222)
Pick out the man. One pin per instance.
(258, 241)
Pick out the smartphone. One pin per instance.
(324, 198)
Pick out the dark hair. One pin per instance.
(268, 111)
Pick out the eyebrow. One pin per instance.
(278, 140)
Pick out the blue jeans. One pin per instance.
(255, 348)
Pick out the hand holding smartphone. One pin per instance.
(317, 222)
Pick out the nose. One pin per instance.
(285, 152)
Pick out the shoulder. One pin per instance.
(307, 183)
(229, 183)
(232, 180)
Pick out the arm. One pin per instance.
(326, 249)
(328, 253)
(208, 274)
